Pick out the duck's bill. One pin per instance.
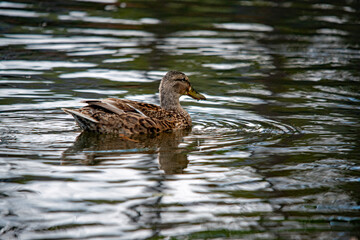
(194, 94)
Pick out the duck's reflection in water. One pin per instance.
(92, 148)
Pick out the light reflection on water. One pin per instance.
(273, 153)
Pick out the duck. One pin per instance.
(127, 117)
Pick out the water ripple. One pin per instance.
(42, 65)
(273, 152)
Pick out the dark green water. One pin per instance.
(274, 151)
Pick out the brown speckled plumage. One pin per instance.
(126, 117)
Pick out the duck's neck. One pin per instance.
(170, 101)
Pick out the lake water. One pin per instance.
(274, 152)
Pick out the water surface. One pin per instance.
(273, 153)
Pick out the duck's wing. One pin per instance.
(121, 106)
(123, 116)
(106, 104)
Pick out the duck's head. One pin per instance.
(175, 84)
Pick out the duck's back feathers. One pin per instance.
(126, 117)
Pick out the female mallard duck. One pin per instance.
(128, 117)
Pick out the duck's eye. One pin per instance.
(181, 79)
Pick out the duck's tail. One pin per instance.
(83, 121)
